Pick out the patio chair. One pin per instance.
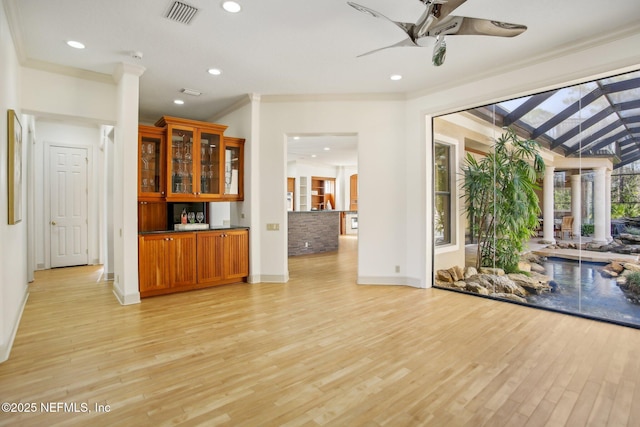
(567, 226)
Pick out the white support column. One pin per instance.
(576, 204)
(607, 206)
(547, 213)
(599, 206)
(125, 178)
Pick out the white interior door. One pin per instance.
(68, 181)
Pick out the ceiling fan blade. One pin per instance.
(439, 51)
(488, 27)
(404, 26)
(404, 43)
(443, 8)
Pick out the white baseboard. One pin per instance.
(106, 277)
(5, 349)
(394, 281)
(126, 299)
(267, 278)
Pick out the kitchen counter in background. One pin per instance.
(313, 232)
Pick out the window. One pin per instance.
(561, 193)
(442, 219)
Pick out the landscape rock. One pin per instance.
(524, 266)
(631, 267)
(457, 273)
(497, 284)
(459, 285)
(491, 270)
(536, 283)
(616, 266)
(444, 276)
(511, 297)
(538, 268)
(470, 271)
(608, 273)
(629, 237)
(476, 288)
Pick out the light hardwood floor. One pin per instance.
(318, 350)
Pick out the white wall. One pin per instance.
(13, 238)
(381, 170)
(67, 96)
(243, 122)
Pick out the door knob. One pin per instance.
(53, 223)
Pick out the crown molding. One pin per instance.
(369, 97)
(68, 71)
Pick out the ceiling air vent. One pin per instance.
(181, 12)
(191, 92)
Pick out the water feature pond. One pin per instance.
(581, 289)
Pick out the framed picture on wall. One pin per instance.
(15, 167)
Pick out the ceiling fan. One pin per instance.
(437, 22)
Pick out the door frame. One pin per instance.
(92, 214)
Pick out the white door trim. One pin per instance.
(47, 199)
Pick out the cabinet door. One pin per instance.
(153, 271)
(210, 257)
(233, 168)
(182, 259)
(180, 163)
(210, 168)
(151, 164)
(236, 247)
(152, 216)
(353, 190)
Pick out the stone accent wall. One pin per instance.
(320, 229)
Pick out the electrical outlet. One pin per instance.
(397, 269)
(273, 227)
(306, 244)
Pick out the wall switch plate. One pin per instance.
(273, 227)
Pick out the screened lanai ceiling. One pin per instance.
(595, 119)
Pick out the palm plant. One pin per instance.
(501, 204)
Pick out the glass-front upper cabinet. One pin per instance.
(151, 165)
(194, 156)
(210, 146)
(181, 161)
(233, 168)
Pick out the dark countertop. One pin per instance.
(211, 228)
(320, 211)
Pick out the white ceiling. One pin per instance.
(289, 47)
(329, 149)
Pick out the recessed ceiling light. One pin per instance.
(313, 155)
(74, 44)
(296, 138)
(395, 77)
(214, 71)
(231, 6)
(327, 148)
(178, 101)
